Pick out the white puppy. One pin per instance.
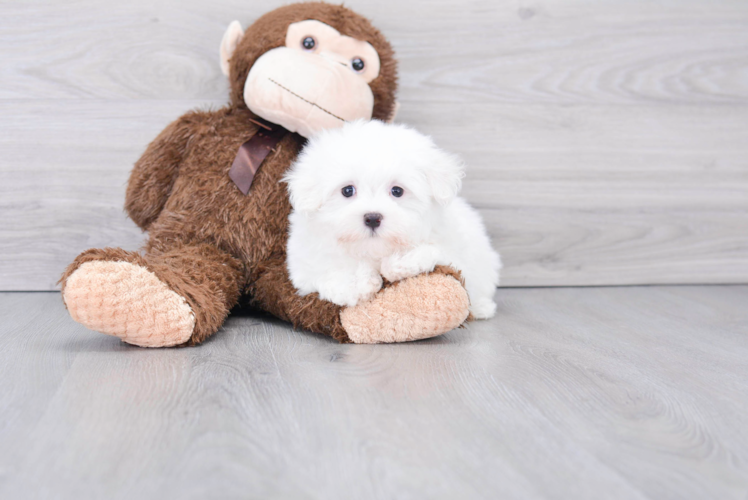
(372, 200)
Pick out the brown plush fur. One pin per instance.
(209, 242)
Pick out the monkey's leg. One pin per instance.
(271, 290)
(415, 308)
(160, 299)
(420, 307)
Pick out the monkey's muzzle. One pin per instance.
(306, 92)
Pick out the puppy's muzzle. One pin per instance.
(373, 220)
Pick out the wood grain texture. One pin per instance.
(633, 392)
(605, 140)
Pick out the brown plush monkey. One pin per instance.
(215, 236)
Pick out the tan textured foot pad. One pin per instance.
(416, 308)
(129, 302)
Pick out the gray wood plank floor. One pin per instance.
(634, 392)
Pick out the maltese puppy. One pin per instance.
(372, 199)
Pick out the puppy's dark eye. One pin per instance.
(357, 64)
(308, 43)
(348, 191)
(397, 191)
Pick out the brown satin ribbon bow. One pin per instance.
(253, 152)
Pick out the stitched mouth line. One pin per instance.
(305, 100)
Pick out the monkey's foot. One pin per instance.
(128, 301)
(416, 308)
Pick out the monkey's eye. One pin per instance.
(308, 43)
(397, 191)
(348, 191)
(357, 64)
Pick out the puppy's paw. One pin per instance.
(368, 283)
(342, 297)
(340, 290)
(394, 269)
(398, 267)
(483, 308)
(350, 289)
(420, 260)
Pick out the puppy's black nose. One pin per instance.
(373, 220)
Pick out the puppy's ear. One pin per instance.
(304, 188)
(444, 173)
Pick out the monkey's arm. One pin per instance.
(154, 173)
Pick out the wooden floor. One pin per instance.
(633, 392)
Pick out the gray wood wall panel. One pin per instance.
(607, 141)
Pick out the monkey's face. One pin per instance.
(318, 80)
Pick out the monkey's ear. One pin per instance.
(230, 40)
(395, 109)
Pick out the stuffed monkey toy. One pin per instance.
(207, 191)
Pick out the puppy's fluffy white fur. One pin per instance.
(332, 251)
